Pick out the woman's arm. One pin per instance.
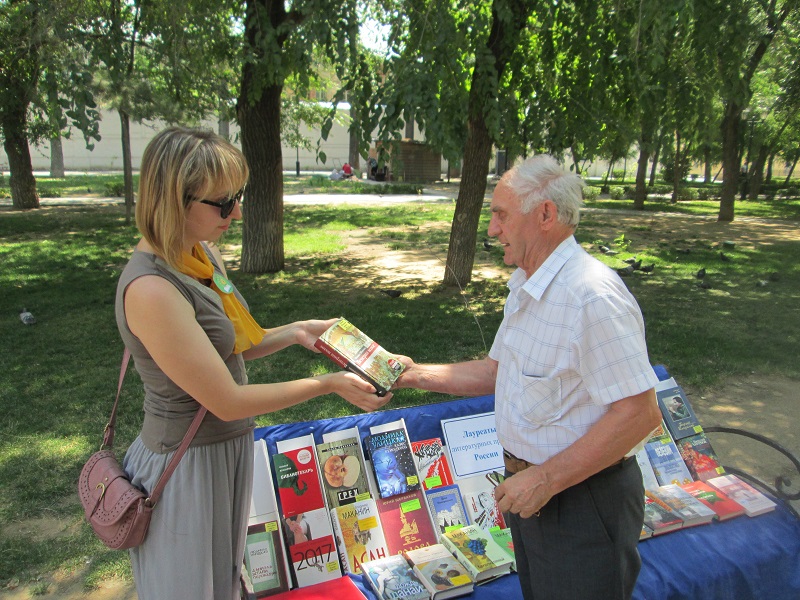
(165, 323)
(304, 333)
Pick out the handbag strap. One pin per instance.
(108, 434)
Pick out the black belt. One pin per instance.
(514, 464)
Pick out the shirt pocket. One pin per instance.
(541, 399)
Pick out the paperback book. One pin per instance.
(659, 517)
(478, 552)
(315, 561)
(359, 535)
(699, 456)
(677, 412)
(446, 507)
(646, 532)
(666, 460)
(724, 507)
(265, 559)
(343, 471)
(392, 578)
(503, 538)
(440, 572)
(352, 349)
(432, 464)
(648, 475)
(392, 462)
(299, 487)
(482, 508)
(687, 507)
(754, 502)
(405, 522)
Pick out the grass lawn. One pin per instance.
(57, 378)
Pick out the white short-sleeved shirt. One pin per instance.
(572, 342)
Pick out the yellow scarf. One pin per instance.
(198, 265)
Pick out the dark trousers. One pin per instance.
(584, 543)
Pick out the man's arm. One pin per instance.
(471, 378)
(627, 422)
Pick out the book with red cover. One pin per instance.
(724, 507)
(406, 523)
(341, 588)
(699, 456)
(299, 487)
(432, 465)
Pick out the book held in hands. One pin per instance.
(352, 349)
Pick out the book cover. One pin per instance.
(440, 572)
(392, 578)
(299, 487)
(405, 521)
(359, 536)
(687, 507)
(754, 502)
(343, 471)
(392, 462)
(340, 588)
(503, 538)
(315, 561)
(352, 349)
(646, 532)
(648, 475)
(446, 507)
(659, 517)
(265, 559)
(482, 508)
(699, 456)
(477, 551)
(724, 507)
(677, 412)
(666, 461)
(432, 464)
(473, 445)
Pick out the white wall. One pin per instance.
(107, 153)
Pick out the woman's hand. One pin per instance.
(357, 391)
(309, 331)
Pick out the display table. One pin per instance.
(739, 559)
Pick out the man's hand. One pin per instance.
(524, 493)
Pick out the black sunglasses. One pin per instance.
(225, 207)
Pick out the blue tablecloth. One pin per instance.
(740, 559)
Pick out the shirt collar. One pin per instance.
(536, 284)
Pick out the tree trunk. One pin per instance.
(353, 155)
(645, 147)
(676, 166)
(127, 164)
(768, 175)
(757, 172)
(791, 170)
(730, 160)
(654, 166)
(15, 143)
(575, 160)
(471, 192)
(262, 227)
(56, 157)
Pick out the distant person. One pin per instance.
(347, 171)
(190, 332)
(573, 392)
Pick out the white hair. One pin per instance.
(541, 178)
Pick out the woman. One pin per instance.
(189, 332)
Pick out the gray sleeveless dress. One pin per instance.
(195, 545)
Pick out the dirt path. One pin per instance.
(766, 405)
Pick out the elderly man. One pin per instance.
(573, 392)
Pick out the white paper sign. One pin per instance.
(473, 445)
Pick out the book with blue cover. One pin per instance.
(392, 462)
(666, 460)
(678, 413)
(447, 507)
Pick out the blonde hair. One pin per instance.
(178, 165)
